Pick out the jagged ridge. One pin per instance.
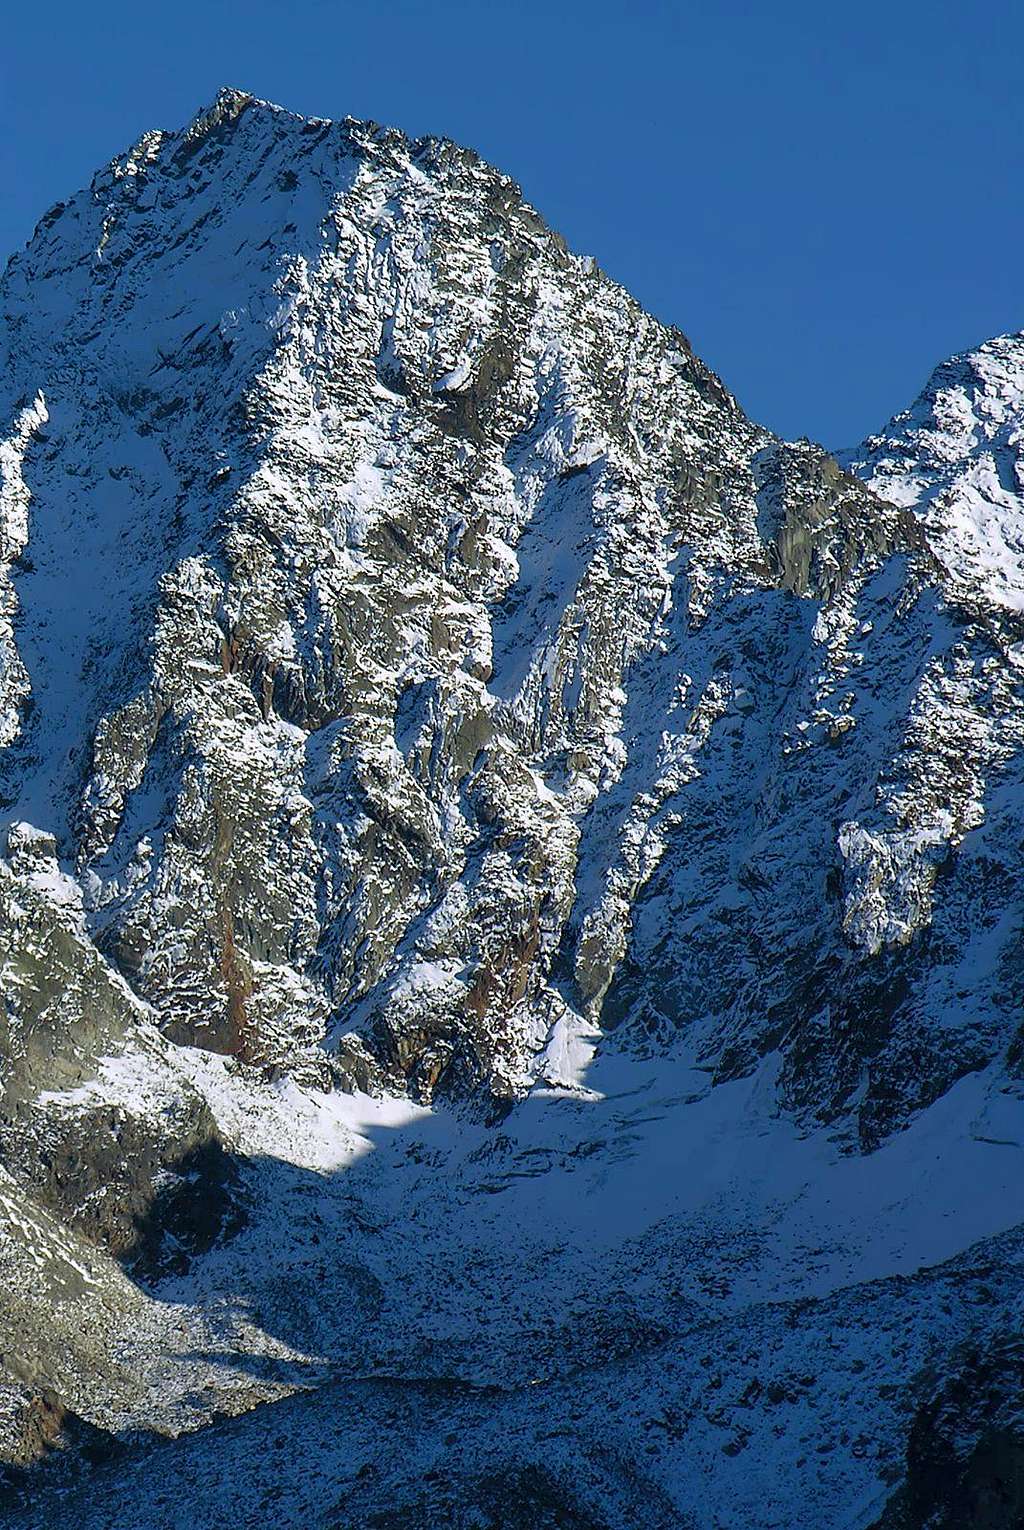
(466, 699)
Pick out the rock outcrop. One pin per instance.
(427, 701)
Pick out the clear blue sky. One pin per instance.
(826, 197)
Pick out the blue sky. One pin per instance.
(825, 197)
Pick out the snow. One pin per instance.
(955, 458)
(652, 1147)
(455, 380)
(307, 1128)
(536, 757)
(758, 1252)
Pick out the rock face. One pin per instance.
(956, 457)
(432, 714)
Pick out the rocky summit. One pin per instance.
(510, 908)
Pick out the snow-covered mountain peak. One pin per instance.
(436, 539)
(510, 872)
(956, 456)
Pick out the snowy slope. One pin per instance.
(510, 921)
(956, 457)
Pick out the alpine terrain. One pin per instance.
(511, 898)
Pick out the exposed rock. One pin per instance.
(965, 1454)
(510, 918)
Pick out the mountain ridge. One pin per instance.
(487, 787)
(954, 456)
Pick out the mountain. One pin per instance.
(510, 914)
(956, 457)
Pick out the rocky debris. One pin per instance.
(152, 1198)
(965, 1452)
(41, 1430)
(527, 1498)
